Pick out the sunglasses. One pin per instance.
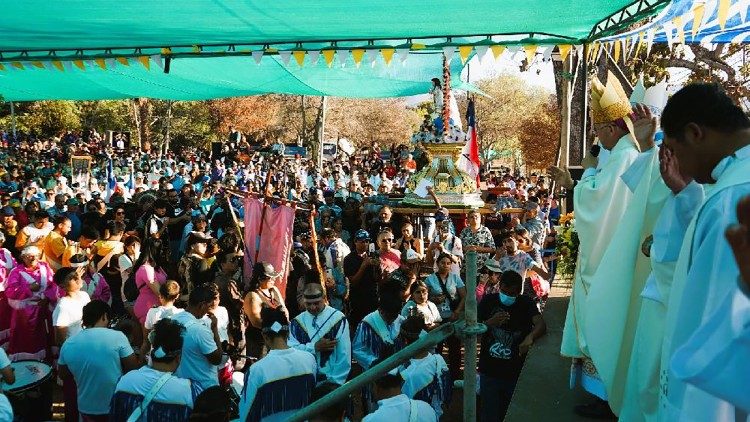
(387, 240)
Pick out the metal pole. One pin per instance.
(342, 393)
(321, 134)
(13, 119)
(584, 99)
(470, 331)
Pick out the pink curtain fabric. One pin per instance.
(274, 241)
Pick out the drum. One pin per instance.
(31, 394)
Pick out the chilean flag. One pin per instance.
(469, 160)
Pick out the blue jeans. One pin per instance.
(495, 394)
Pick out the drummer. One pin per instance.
(7, 377)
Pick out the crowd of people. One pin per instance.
(129, 281)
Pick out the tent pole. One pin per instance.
(13, 119)
(584, 98)
(470, 330)
(321, 132)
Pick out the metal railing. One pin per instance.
(468, 328)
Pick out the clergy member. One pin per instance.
(710, 136)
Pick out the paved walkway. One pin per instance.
(543, 392)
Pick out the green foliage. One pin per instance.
(105, 115)
(566, 248)
(50, 118)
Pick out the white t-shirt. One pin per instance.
(198, 341)
(156, 314)
(93, 357)
(222, 322)
(69, 312)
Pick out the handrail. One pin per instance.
(430, 340)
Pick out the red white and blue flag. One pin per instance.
(469, 161)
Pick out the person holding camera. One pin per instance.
(363, 271)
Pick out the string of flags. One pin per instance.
(301, 57)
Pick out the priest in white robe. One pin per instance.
(600, 201)
(710, 137)
(641, 397)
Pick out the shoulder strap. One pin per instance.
(138, 412)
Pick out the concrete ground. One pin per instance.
(543, 392)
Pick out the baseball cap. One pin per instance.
(8, 211)
(362, 235)
(72, 201)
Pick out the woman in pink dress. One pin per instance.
(149, 276)
(32, 296)
(7, 262)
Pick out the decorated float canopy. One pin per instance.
(194, 49)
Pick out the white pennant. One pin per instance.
(48, 65)
(89, 64)
(373, 56)
(482, 51)
(111, 63)
(624, 48)
(343, 55)
(403, 54)
(579, 50)
(513, 50)
(650, 40)
(633, 43)
(546, 53)
(668, 28)
(285, 56)
(448, 52)
(257, 56)
(156, 58)
(68, 65)
(313, 55)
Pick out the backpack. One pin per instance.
(130, 289)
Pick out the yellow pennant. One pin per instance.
(166, 51)
(144, 60)
(387, 55)
(530, 53)
(38, 64)
(2, 67)
(616, 51)
(641, 39)
(79, 64)
(564, 51)
(358, 54)
(328, 56)
(594, 51)
(723, 12)
(680, 29)
(58, 65)
(299, 57)
(123, 61)
(497, 50)
(464, 51)
(698, 12)
(17, 65)
(101, 63)
(416, 46)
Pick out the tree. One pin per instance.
(50, 118)
(255, 116)
(540, 134)
(384, 121)
(105, 115)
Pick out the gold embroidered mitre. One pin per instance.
(609, 102)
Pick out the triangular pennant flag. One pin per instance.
(158, 60)
(387, 55)
(448, 51)
(530, 53)
(123, 61)
(564, 51)
(723, 12)
(111, 63)
(285, 57)
(497, 50)
(89, 64)
(594, 52)
(482, 51)
(641, 41)
(464, 51)
(257, 56)
(144, 60)
(373, 56)
(38, 64)
(677, 21)
(68, 65)
(403, 54)
(313, 56)
(616, 51)
(299, 57)
(579, 51)
(512, 50)
(547, 52)
(650, 40)
(48, 65)
(79, 64)
(343, 55)
(668, 28)
(358, 54)
(101, 63)
(2, 67)
(698, 12)
(17, 65)
(328, 56)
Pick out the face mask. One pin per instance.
(507, 300)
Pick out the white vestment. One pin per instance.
(613, 301)
(600, 202)
(641, 399)
(705, 277)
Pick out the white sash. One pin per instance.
(36, 296)
(378, 325)
(327, 326)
